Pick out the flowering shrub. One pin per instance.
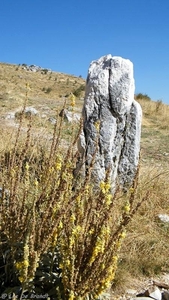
(48, 210)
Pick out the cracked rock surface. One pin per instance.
(109, 102)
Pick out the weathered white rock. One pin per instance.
(109, 101)
(155, 293)
(34, 68)
(69, 116)
(29, 110)
(141, 298)
(10, 115)
(52, 120)
(163, 218)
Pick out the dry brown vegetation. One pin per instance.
(145, 250)
(155, 133)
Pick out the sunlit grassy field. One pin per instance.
(32, 152)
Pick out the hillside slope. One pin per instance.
(48, 90)
(45, 87)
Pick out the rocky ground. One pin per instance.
(156, 288)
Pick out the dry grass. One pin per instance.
(145, 252)
(155, 137)
(156, 112)
(148, 238)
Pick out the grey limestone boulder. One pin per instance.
(112, 119)
(69, 116)
(164, 218)
(30, 111)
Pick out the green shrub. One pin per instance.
(47, 90)
(79, 90)
(142, 96)
(44, 71)
(159, 105)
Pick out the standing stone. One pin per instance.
(109, 102)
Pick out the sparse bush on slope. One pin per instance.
(142, 96)
(79, 90)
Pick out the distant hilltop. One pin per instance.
(34, 68)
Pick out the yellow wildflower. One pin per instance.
(91, 231)
(87, 189)
(105, 187)
(97, 125)
(72, 218)
(13, 172)
(78, 199)
(21, 279)
(71, 296)
(131, 190)
(18, 265)
(67, 262)
(60, 225)
(71, 241)
(115, 259)
(36, 182)
(72, 99)
(27, 166)
(99, 248)
(127, 207)
(25, 263)
(123, 235)
(102, 187)
(26, 249)
(57, 207)
(58, 166)
(108, 199)
(60, 266)
(105, 231)
(64, 176)
(77, 230)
